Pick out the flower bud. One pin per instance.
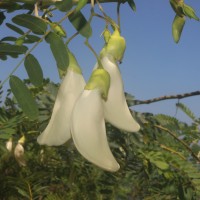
(19, 152)
(106, 35)
(116, 46)
(9, 145)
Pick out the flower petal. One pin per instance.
(89, 133)
(116, 109)
(9, 145)
(19, 154)
(57, 131)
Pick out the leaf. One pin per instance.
(10, 49)
(2, 17)
(9, 38)
(24, 97)
(189, 12)
(35, 24)
(186, 110)
(80, 5)
(64, 5)
(80, 24)
(15, 28)
(34, 70)
(59, 50)
(177, 27)
(132, 4)
(160, 164)
(32, 38)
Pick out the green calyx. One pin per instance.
(106, 35)
(57, 28)
(177, 6)
(116, 46)
(73, 64)
(99, 79)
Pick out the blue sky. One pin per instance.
(153, 64)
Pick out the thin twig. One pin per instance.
(178, 96)
(172, 151)
(180, 141)
(118, 15)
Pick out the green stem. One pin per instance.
(118, 15)
(88, 44)
(72, 37)
(100, 66)
(110, 20)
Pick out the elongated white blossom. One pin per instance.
(89, 132)
(9, 145)
(116, 109)
(57, 131)
(19, 154)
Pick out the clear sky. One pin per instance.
(153, 64)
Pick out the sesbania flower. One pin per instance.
(57, 131)
(88, 124)
(19, 152)
(116, 110)
(9, 145)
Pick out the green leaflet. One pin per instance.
(157, 159)
(186, 110)
(32, 38)
(15, 28)
(11, 50)
(80, 24)
(177, 27)
(34, 70)
(35, 24)
(59, 50)
(9, 38)
(64, 5)
(80, 5)
(24, 97)
(132, 4)
(2, 17)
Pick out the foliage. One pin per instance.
(154, 163)
(160, 162)
(31, 29)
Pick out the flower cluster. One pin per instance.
(18, 151)
(81, 109)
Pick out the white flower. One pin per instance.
(89, 132)
(57, 131)
(116, 109)
(9, 145)
(19, 154)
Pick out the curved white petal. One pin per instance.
(9, 145)
(89, 133)
(116, 110)
(19, 154)
(57, 131)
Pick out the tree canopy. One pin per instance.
(159, 160)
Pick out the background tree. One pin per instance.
(161, 161)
